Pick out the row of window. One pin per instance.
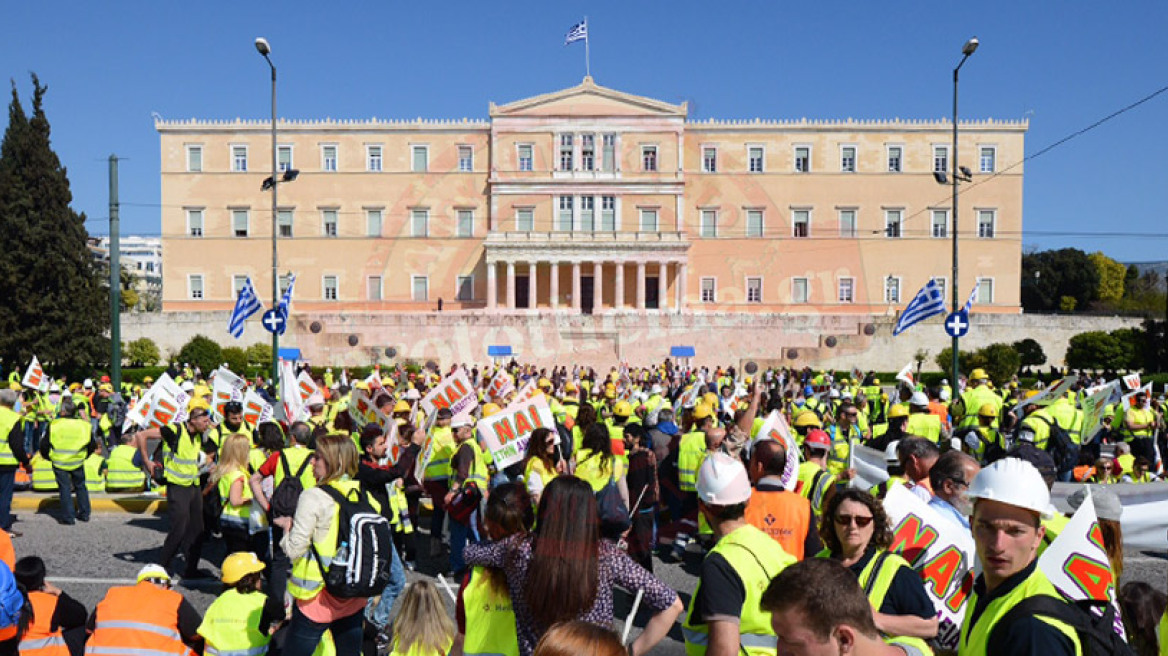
(580, 154)
(419, 225)
(330, 284)
(845, 289)
(847, 225)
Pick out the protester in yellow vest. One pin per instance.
(422, 626)
(67, 444)
(94, 467)
(436, 453)
(239, 621)
(816, 483)
(468, 466)
(122, 475)
(231, 479)
(921, 422)
(964, 409)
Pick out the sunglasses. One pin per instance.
(845, 520)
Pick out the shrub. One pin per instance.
(203, 353)
(236, 359)
(142, 352)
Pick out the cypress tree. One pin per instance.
(53, 302)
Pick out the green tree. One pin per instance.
(260, 354)
(965, 360)
(1067, 304)
(236, 359)
(203, 353)
(1031, 353)
(1047, 276)
(1096, 350)
(1001, 362)
(1111, 277)
(55, 305)
(142, 351)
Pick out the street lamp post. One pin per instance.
(968, 49)
(264, 49)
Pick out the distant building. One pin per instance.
(142, 258)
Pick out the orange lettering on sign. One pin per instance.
(504, 431)
(522, 424)
(940, 572)
(954, 602)
(912, 538)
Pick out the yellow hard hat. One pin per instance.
(240, 564)
(73, 387)
(897, 411)
(875, 381)
(710, 399)
(1031, 393)
(544, 383)
(490, 409)
(978, 374)
(987, 410)
(362, 385)
(808, 418)
(401, 406)
(202, 390)
(147, 380)
(105, 387)
(610, 393)
(623, 409)
(198, 403)
(570, 387)
(701, 411)
(388, 382)
(749, 380)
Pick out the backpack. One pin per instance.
(360, 567)
(287, 493)
(12, 598)
(1064, 450)
(612, 509)
(1096, 632)
(993, 450)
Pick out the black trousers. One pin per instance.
(185, 503)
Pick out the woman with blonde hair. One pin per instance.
(230, 476)
(422, 627)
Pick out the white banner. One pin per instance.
(871, 469)
(525, 393)
(1050, 394)
(289, 395)
(222, 392)
(166, 383)
(454, 392)
(501, 385)
(228, 376)
(255, 409)
(505, 434)
(906, 375)
(1145, 507)
(941, 551)
(1093, 410)
(775, 428)
(35, 377)
(1132, 381)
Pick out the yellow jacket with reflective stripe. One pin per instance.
(478, 466)
(924, 424)
(121, 473)
(295, 455)
(94, 481)
(490, 620)
(43, 479)
(813, 490)
(235, 516)
(68, 439)
(691, 451)
(182, 466)
(876, 580)
(307, 580)
(231, 626)
(975, 635)
(441, 446)
(840, 454)
(591, 469)
(757, 559)
(9, 418)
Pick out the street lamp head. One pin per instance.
(969, 47)
(264, 49)
(940, 177)
(965, 172)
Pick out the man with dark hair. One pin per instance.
(951, 477)
(917, 456)
(818, 609)
(783, 515)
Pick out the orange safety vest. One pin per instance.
(785, 516)
(140, 618)
(40, 639)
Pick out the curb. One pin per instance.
(129, 503)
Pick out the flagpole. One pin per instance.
(587, 62)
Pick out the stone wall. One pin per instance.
(821, 341)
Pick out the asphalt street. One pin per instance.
(86, 559)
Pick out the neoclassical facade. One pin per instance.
(591, 201)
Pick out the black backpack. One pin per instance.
(1096, 632)
(360, 567)
(287, 493)
(1061, 447)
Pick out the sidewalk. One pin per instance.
(139, 503)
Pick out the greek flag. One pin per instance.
(246, 305)
(972, 297)
(928, 302)
(286, 299)
(579, 32)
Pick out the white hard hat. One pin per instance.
(890, 452)
(944, 381)
(187, 386)
(1014, 482)
(413, 394)
(656, 389)
(153, 573)
(919, 399)
(833, 394)
(945, 394)
(462, 419)
(722, 480)
(88, 383)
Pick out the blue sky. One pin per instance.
(108, 65)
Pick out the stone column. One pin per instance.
(532, 285)
(492, 285)
(662, 301)
(681, 287)
(576, 286)
(510, 285)
(641, 286)
(619, 296)
(597, 286)
(555, 286)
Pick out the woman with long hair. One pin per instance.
(539, 461)
(595, 464)
(585, 417)
(230, 477)
(1142, 608)
(856, 531)
(565, 572)
(422, 627)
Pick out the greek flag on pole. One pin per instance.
(246, 305)
(579, 32)
(928, 302)
(286, 299)
(972, 296)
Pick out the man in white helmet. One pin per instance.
(1010, 499)
(724, 616)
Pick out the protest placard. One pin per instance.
(501, 385)
(255, 409)
(454, 392)
(505, 434)
(871, 468)
(775, 427)
(34, 376)
(1094, 407)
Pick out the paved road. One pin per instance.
(86, 559)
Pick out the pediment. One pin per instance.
(588, 99)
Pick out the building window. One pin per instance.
(940, 159)
(985, 291)
(895, 157)
(709, 226)
(373, 158)
(709, 290)
(194, 158)
(649, 158)
(587, 152)
(329, 288)
(525, 219)
(754, 290)
(802, 159)
(608, 213)
(608, 155)
(465, 290)
(848, 159)
(847, 224)
(892, 289)
(799, 289)
(421, 288)
(420, 162)
(587, 213)
(755, 156)
(846, 292)
(988, 160)
(329, 222)
(466, 223)
(801, 223)
(284, 223)
(195, 223)
(372, 223)
(283, 158)
(940, 225)
(526, 162)
(985, 223)
(564, 219)
(239, 159)
(419, 223)
(649, 221)
(195, 286)
(892, 221)
(754, 225)
(709, 160)
(465, 158)
(239, 223)
(328, 158)
(237, 283)
(373, 288)
(566, 152)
